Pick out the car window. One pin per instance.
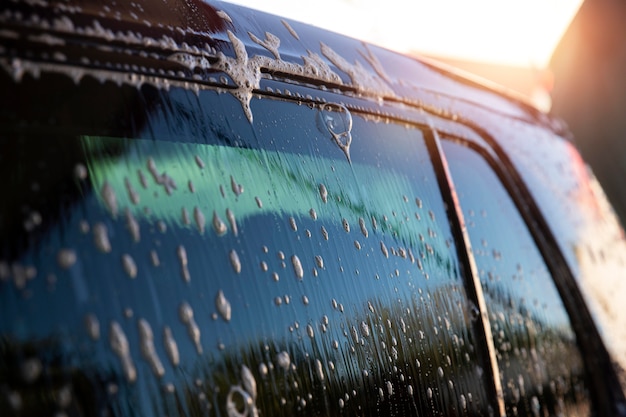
(541, 366)
(176, 259)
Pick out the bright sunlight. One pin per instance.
(511, 32)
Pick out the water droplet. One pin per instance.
(319, 369)
(263, 370)
(249, 383)
(182, 258)
(324, 233)
(119, 345)
(132, 194)
(30, 370)
(129, 265)
(323, 193)
(237, 188)
(389, 388)
(110, 200)
(142, 179)
(222, 14)
(283, 360)
(234, 261)
(185, 216)
(32, 221)
(336, 120)
(239, 403)
(259, 203)
(66, 258)
(355, 335)
(363, 227)
(199, 218)
(290, 29)
(132, 225)
(93, 326)
(309, 331)
(319, 261)
(154, 257)
(192, 188)
(535, 406)
(383, 249)
(219, 226)
(231, 219)
(346, 225)
(365, 329)
(223, 306)
(146, 341)
(80, 172)
(101, 238)
(305, 300)
(171, 348)
(297, 267)
(357, 245)
(292, 224)
(186, 316)
(199, 162)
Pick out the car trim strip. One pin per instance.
(464, 247)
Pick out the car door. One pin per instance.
(175, 258)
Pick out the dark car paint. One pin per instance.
(371, 80)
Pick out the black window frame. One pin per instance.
(605, 391)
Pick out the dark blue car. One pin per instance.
(210, 211)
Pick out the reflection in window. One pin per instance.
(210, 267)
(541, 367)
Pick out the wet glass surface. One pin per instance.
(177, 260)
(541, 367)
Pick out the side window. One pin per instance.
(200, 265)
(540, 364)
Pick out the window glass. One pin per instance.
(540, 364)
(186, 262)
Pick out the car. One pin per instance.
(209, 210)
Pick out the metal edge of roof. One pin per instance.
(218, 36)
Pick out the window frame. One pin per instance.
(606, 395)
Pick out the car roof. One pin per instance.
(191, 36)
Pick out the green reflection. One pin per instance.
(271, 182)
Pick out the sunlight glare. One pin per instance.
(522, 33)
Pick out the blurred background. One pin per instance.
(567, 57)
